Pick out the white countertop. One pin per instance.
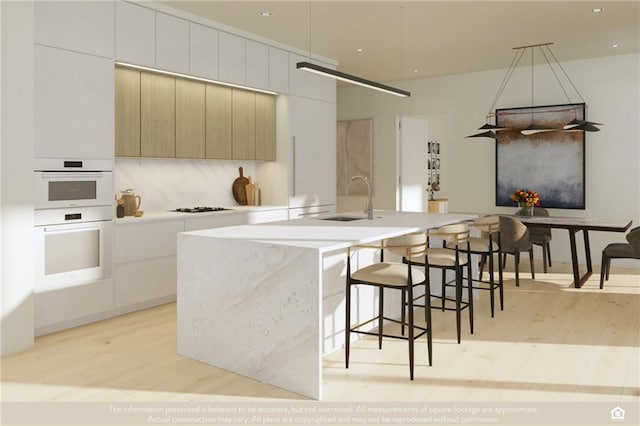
(169, 215)
(327, 235)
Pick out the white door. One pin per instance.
(411, 136)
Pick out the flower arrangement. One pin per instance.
(531, 198)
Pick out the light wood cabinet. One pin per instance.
(218, 122)
(265, 127)
(164, 116)
(157, 116)
(243, 125)
(127, 113)
(190, 119)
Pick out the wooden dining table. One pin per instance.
(573, 225)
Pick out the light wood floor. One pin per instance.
(551, 343)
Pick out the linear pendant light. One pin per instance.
(327, 72)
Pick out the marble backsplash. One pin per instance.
(166, 184)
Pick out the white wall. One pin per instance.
(456, 105)
(16, 176)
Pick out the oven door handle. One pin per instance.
(71, 175)
(64, 228)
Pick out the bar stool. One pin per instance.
(449, 257)
(487, 245)
(403, 277)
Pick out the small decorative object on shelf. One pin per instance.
(433, 168)
(526, 199)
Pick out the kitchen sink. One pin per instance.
(341, 218)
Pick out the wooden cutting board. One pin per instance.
(239, 189)
(249, 188)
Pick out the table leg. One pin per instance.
(579, 281)
(587, 250)
(574, 257)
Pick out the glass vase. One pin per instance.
(524, 210)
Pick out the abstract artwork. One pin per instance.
(550, 162)
(354, 155)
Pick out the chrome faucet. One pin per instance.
(369, 208)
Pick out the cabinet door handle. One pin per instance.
(313, 213)
(294, 165)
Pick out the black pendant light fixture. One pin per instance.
(349, 78)
(554, 66)
(327, 72)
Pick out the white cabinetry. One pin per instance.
(257, 65)
(74, 105)
(278, 70)
(145, 253)
(81, 26)
(233, 59)
(308, 84)
(213, 221)
(313, 132)
(70, 306)
(145, 256)
(203, 51)
(172, 43)
(267, 216)
(135, 34)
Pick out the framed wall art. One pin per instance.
(550, 161)
(354, 155)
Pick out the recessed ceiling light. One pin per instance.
(266, 13)
(359, 49)
(615, 45)
(415, 70)
(597, 9)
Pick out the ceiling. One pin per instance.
(415, 39)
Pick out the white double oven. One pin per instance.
(73, 222)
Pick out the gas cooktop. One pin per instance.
(200, 209)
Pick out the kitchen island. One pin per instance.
(267, 301)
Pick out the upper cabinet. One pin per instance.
(218, 122)
(278, 70)
(127, 112)
(157, 115)
(257, 65)
(80, 26)
(233, 59)
(190, 119)
(74, 104)
(265, 127)
(164, 116)
(172, 43)
(135, 34)
(243, 118)
(203, 51)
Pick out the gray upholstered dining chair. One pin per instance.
(630, 250)
(514, 239)
(541, 236)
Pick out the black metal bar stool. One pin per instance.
(403, 277)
